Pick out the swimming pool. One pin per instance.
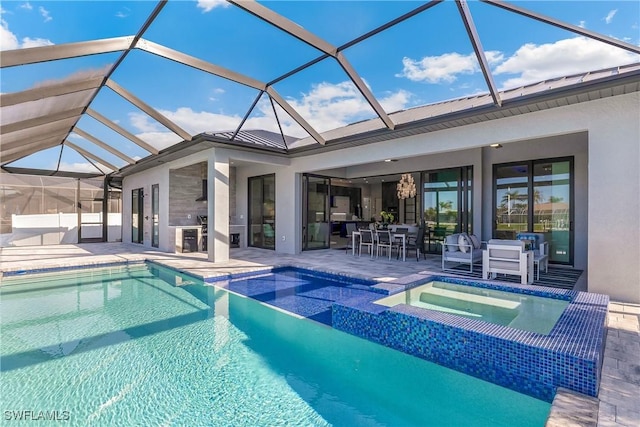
(520, 311)
(144, 345)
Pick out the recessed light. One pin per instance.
(496, 145)
(390, 160)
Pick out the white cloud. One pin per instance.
(192, 121)
(78, 167)
(532, 63)
(9, 41)
(610, 16)
(123, 13)
(444, 68)
(160, 140)
(26, 6)
(29, 42)
(329, 106)
(196, 122)
(45, 14)
(143, 123)
(582, 24)
(326, 106)
(209, 5)
(396, 101)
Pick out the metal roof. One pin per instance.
(46, 115)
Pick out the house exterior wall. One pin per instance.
(576, 145)
(607, 178)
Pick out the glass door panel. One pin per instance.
(512, 200)
(269, 211)
(137, 212)
(262, 211)
(155, 215)
(547, 186)
(552, 207)
(446, 203)
(316, 224)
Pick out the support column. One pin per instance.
(218, 206)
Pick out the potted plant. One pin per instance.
(387, 218)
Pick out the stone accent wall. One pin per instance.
(185, 186)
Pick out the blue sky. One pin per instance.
(425, 59)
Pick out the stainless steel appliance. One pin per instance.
(202, 220)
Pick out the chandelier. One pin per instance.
(406, 187)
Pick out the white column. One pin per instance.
(218, 206)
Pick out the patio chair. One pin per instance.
(366, 239)
(460, 248)
(508, 257)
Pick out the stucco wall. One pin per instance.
(607, 178)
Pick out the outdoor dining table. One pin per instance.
(395, 236)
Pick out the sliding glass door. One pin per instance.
(137, 215)
(315, 212)
(155, 215)
(262, 211)
(547, 186)
(447, 203)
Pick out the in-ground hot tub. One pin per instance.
(568, 355)
(520, 311)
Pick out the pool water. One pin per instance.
(126, 346)
(302, 292)
(520, 311)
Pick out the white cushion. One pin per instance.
(477, 244)
(463, 243)
(451, 242)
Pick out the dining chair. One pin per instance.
(384, 242)
(417, 244)
(351, 227)
(366, 239)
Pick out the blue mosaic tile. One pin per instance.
(570, 356)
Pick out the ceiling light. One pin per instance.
(496, 145)
(406, 187)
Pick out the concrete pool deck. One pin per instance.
(619, 395)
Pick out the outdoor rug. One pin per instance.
(556, 277)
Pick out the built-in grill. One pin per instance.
(190, 240)
(202, 220)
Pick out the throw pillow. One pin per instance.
(477, 244)
(463, 243)
(452, 243)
